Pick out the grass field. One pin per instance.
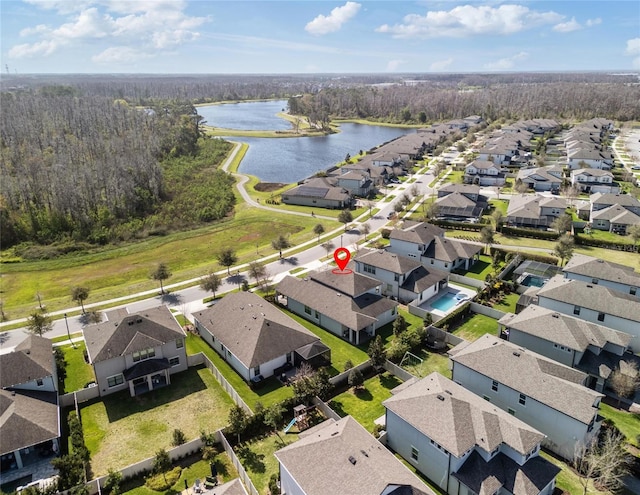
(432, 361)
(79, 373)
(480, 268)
(120, 430)
(475, 327)
(366, 405)
(628, 423)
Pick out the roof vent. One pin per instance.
(28, 351)
(440, 397)
(590, 286)
(516, 354)
(364, 453)
(338, 294)
(352, 460)
(449, 392)
(334, 433)
(139, 320)
(556, 315)
(130, 322)
(250, 305)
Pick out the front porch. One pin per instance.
(148, 375)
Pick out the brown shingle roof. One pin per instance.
(536, 376)
(341, 457)
(30, 360)
(253, 330)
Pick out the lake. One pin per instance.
(292, 159)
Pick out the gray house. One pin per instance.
(30, 416)
(349, 306)
(321, 192)
(255, 337)
(138, 351)
(541, 178)
(594, 303)
(593, 349)
(543, 393)
(341, 457)
(465, 444)
(597, 271)
(534, 210)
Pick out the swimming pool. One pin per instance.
(532, 280)
(446, 302)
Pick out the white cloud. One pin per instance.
(469, 20)
(567, 27)
(145, 26)
(334, 21)
(507, 62)
(593, 22)
(394, 65)
(441, 65)
(119, 55)
(633, 46)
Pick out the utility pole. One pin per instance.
(68, 333)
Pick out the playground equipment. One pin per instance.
(300, 417)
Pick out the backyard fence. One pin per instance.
(325, 409)
(344, 376)
(242, 474)
(397, 371)
(440, 334)
(79, 396)
(509, 266)
(462, 279)
(224, 383)
(487, 311)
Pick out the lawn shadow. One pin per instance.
(338, 408)
(363, 394)
(121, 404)
(251, 460)
(389, 381)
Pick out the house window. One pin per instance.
(494, 386)
(179, 343)
(414, 453)
(115, 380)
(600, 316)
(256, 370)
(632, 291)
(174, 361)
(39, 382)
(594, 281)
(144, 354)
(393, 311)
(316, 315)
(487, 398)
(396, 277)
(369, 269)
(576, 310)
(307, 310)
(389, 287)
(522, 400)
(511, 411)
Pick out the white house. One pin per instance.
(588, 269)
(341, 457)
(541, 178)
(253, 336)
(593, 349)
(484, 173)
(350, 306)
(138, 351)
(595, 303)
(464, 444)
(403, 278)
(543, 393)
(582, 156)
(30, 416)
(426, 242)
(592, 180)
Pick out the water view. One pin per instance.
(292, 159)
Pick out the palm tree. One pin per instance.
(80, 294)
(160, 274)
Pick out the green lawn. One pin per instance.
(258, 460)
(628, 423)
(190, 472)
(568, 480)
(508, 304)
(475, 327)
(120, 430)
(366, 405)
(432, 361)
(500, 204)
(481, 268)
(79, 373)
(271, 392)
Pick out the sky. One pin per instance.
(231, 37)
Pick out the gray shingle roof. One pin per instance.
(459, 420)
(451, 250)
(608, 199)
(592, 296)
(486, 478)
(420, 233)
(355, 313)
(536, 376)
(341, 457)
(385, 260)
(31, 359)
(422, 278)
(135, 332)
(253, 330)
(27, 418)
(562, 329)
(352, 284)
(233, 487)
(589, 266)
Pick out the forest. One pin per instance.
(93, 169)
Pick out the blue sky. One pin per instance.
(167, 36)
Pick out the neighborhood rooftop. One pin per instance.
(546, 381)
(31, 359)
(341, 457)
(605, 270)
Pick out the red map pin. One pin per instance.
(342, 257)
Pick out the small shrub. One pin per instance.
(377, 430)
(348, 365)
(163, 481)
(178, 437)
(273, 484)
(385, 233)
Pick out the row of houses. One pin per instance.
(586, 146)
(551, 178)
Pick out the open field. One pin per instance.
(120, 430)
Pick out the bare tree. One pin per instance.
(625, 380)
(345, 217)
(603, 462)
(564, 248)
(365, 228)
(497, 217)
(259, 273)
(562, 224)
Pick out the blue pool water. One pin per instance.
(533, 281)
(446, 302)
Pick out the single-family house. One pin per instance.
(592, 180)
(464, 444)
(594, 349)
(595, 303)
(586, 156)
(471, 191)
(341, 457)
(545, 394)
(29, 412)
(533, 210)
(402, 278)
(357, 182)
(484, 173)
(541, 178)
(255, 337)
(601, 201)
(592, 270)
(349, 305)
(426, 242)
(615, 218)
(321, 192)
(135, 351)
